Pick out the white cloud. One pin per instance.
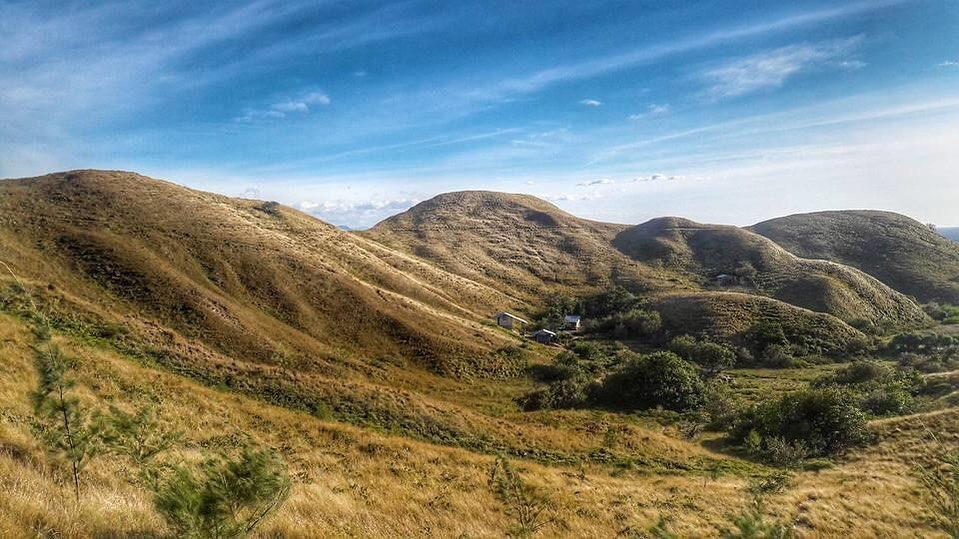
(282, 109)
(652, 111)
(356, 213)
(770, 69)
(657, 178)
(852, 64)
(600, 181)
(590, 103)
(949, 63)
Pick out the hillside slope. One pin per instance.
(254, 281)
(730, 257)
(897, 250)
(517, 243)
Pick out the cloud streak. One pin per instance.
(770, 69)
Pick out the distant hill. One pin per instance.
(527, 247)
(732, 257)
(516, 243)
(951, 233)
(901, 252)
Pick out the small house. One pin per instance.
(572, 322)
(544, 336)
(509, 321)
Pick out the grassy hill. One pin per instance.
(731, 258)
(527, 247)
(899, 251)
(516, 243)
(252, 280)
(350, 481)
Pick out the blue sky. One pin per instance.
(721, 111)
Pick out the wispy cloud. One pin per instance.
(600, 181)
(591, 103)
(654, 52)
(949, 63)
(652, 111)
(282, 109)
(770, 69)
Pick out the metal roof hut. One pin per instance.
(544, 336)
(509, 321)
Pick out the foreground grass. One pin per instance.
(354, 482)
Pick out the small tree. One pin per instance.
(139, 436)
(227, 498)
(66, 426)
(528, 507)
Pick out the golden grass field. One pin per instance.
(370, 363)
(350, 481)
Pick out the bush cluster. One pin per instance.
(713, 358)
(925, 353)
(946, 314)
(614, 377)
(816, 422)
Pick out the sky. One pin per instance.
(722, 111)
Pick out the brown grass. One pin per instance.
(245, 323)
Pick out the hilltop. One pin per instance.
(519, 244)
(252, 280)
(901, 252)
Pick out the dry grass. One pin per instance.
(354, 482)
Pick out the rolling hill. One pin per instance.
(368, 361)
(519, 244)
(728, 257)
(899, 251)
(252, 280)
(527, 247)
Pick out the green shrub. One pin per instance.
(662, 380)
(713, 358)
(227, 498)
(859, 372)
(566, 393)
(826, 420)
(777, 356)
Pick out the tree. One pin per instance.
(660, 379)
(827, 421)
(66, 426)
(139, 436)
(229, 497)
